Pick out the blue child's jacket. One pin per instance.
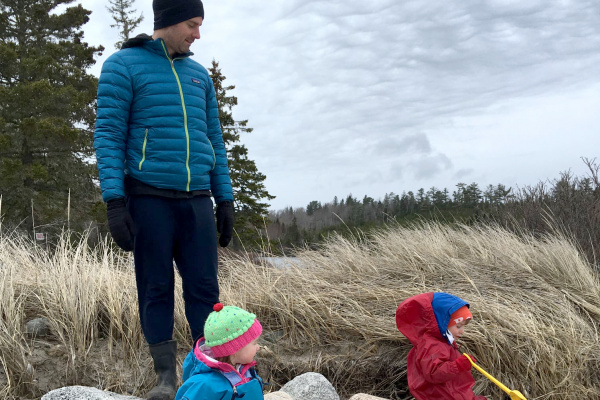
(205, 378)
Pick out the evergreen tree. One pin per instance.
(249, 191)
(47, 111)
(292, 235)
(423, 200)
(121, 11)
(472, 195)
(458, 196)
(502, 193)
(439, 198)
(312, 207)
(409, 203)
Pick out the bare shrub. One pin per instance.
(569, 205)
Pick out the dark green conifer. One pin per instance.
(47, 113)
(250, 194)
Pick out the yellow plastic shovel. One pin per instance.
(514, 394)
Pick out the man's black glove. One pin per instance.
(225, 222)
(120, 223)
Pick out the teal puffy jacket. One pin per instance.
(158, 122)
(205, 378)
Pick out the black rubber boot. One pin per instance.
(165, 365)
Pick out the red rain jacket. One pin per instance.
(431, 363)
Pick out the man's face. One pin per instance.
(180, 37)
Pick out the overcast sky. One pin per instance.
(378, 96)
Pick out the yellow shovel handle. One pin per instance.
(491, 378)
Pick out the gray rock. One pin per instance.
(279, 395)
(37, 327)
(364, 396)
(84, 393)
(310, 386)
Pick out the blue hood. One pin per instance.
(444, 304)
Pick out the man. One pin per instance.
(160, 156)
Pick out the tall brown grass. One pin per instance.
(536, 304)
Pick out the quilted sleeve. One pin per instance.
(220, 182)
(115, 93)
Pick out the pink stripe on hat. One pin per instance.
(233, 346)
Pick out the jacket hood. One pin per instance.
(427, 314)
(205, 356)
(139, 40)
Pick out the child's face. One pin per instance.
(458, 329)
(246, 354)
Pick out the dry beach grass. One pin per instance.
(536, 304)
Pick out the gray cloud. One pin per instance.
(431, 166)
(463, 173)
(398, 146)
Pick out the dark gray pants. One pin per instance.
(182, 230)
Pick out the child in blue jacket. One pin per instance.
(221, 365)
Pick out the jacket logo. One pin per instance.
(195, 80)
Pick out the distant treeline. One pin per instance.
(297, 226)
(569, 204)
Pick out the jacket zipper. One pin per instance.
(234, 388)
(187, 135)
(144, 149)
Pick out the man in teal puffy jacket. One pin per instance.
(161, 157)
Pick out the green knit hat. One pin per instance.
(228, 329)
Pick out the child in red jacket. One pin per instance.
(436, 370)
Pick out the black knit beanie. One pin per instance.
(171, 12)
